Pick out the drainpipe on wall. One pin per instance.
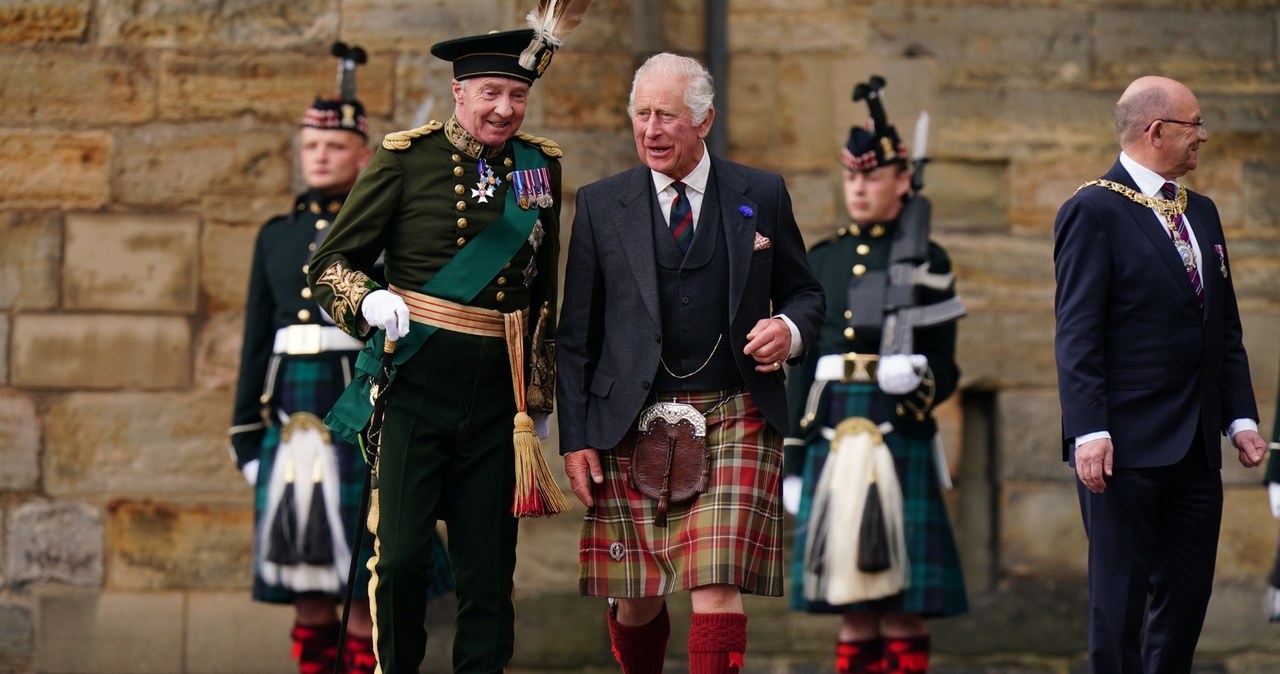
(718, 63)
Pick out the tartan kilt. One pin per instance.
(730, 534)
(936, 581)
(312, 384)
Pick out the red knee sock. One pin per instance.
(717, 642)
(860, 657)
(358, 656)
(906, 656)
(640, 649)
(315, 647)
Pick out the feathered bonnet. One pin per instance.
(518, 54)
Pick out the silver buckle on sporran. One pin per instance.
(672, 413)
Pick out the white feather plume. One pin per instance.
(551, 21)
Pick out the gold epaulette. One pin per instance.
(401, 140)
(549, 147)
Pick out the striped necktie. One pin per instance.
(681, 221)
(1170, 191)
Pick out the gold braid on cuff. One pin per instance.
(349, 287)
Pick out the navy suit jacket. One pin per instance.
(609, 337)
(1135, 354)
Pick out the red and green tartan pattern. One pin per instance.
(731, 534)
(937, 582)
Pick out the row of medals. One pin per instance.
(533, 186)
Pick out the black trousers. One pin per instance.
(1152, 533)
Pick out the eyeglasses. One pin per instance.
(1199, 124)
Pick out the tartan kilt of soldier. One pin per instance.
(937, 582)
(311, 384)
(730, 534)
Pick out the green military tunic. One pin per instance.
(447, 451)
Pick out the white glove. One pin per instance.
(541, 424)
(791, 487)
(384, 310)
(250, 470)
(1274, 490)
(900, 374)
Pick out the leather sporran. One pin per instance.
(670, 462)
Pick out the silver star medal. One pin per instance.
(535, 240)
(487, 183)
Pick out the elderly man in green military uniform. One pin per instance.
(467, 212)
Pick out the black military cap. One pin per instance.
(867, 150)
(495, 54)
(342, 112)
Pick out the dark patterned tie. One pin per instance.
(1170, 191)
(681, 222)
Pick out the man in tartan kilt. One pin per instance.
(846, 375)
(686, 289)
(294, 363)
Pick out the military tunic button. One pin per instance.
(842, 231)
(900, 411)
(304, 315)
(458, 171)
(509, 177)
(302, 207)
(859, 269)
(502, 280)
(462, 241)
(507, 162)
(877, 231)
(321, 224)
(306, 293)
(461, 205)
(863, 249)
(855, 230)
(264, 398)
(848, 333)
(311, 246)
(462, 223)
(457, 159)
(459, 189)
(500, 296)
(848, 313)
(306, 269)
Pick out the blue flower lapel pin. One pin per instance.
(746, 211)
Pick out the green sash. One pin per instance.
(460, 280)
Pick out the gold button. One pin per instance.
(458, 171)
(302, 207)
(264, 398)
(462, 241)
(500, 296)
(457, 159)
(459, 190)
(848, 333)
(842, 231)
(876, 231)
(304, 315)
(311, 246)
(306, 269)
(462, 223)
(848, 313)
(859, 269)
(461, 205)
(855, 230)
(321, 224)
(508, 163)
(506, 266)
(900, 411)
(502, 280)
(306, 293)
(508, 177)
(863, 249)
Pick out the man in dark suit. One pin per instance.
(686, 284)
(1151, 370)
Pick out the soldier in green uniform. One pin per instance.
(878, 268)
(467, 212)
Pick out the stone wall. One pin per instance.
(143, 143)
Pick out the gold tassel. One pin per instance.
(537, 493)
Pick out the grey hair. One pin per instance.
(699, 90)
(1136, 112)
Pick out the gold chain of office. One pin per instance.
(1169, 209)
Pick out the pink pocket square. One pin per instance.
(761, 243)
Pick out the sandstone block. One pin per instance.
(70, 174)
(29, 261)
(43, 21)
(1034, 47)
(976, 124)
(1261, 203)
(1237, 622)
(1040, 184)
(423, 91)
(218, 346)
(998, 271)
(753, 126)
(55, 542)
(110, 633)
(1196, 46)
(1029, 436)
(53, 85)
(383, 24)
(1246, 551)
(602, 105)
(832, 28)
(17, 632)
(229, 633)
(1041, 534)
(100, 351)
(273, 86)
(173, 166)
(967, 196)
(1005, 348)
(4, 348)
(131, 263)
(815, 200)
(212, 23)
(145, 445)
(19, 442)
(163, 546)
(226, 254)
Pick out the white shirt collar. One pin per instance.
(697, 178)
(1149, 182)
